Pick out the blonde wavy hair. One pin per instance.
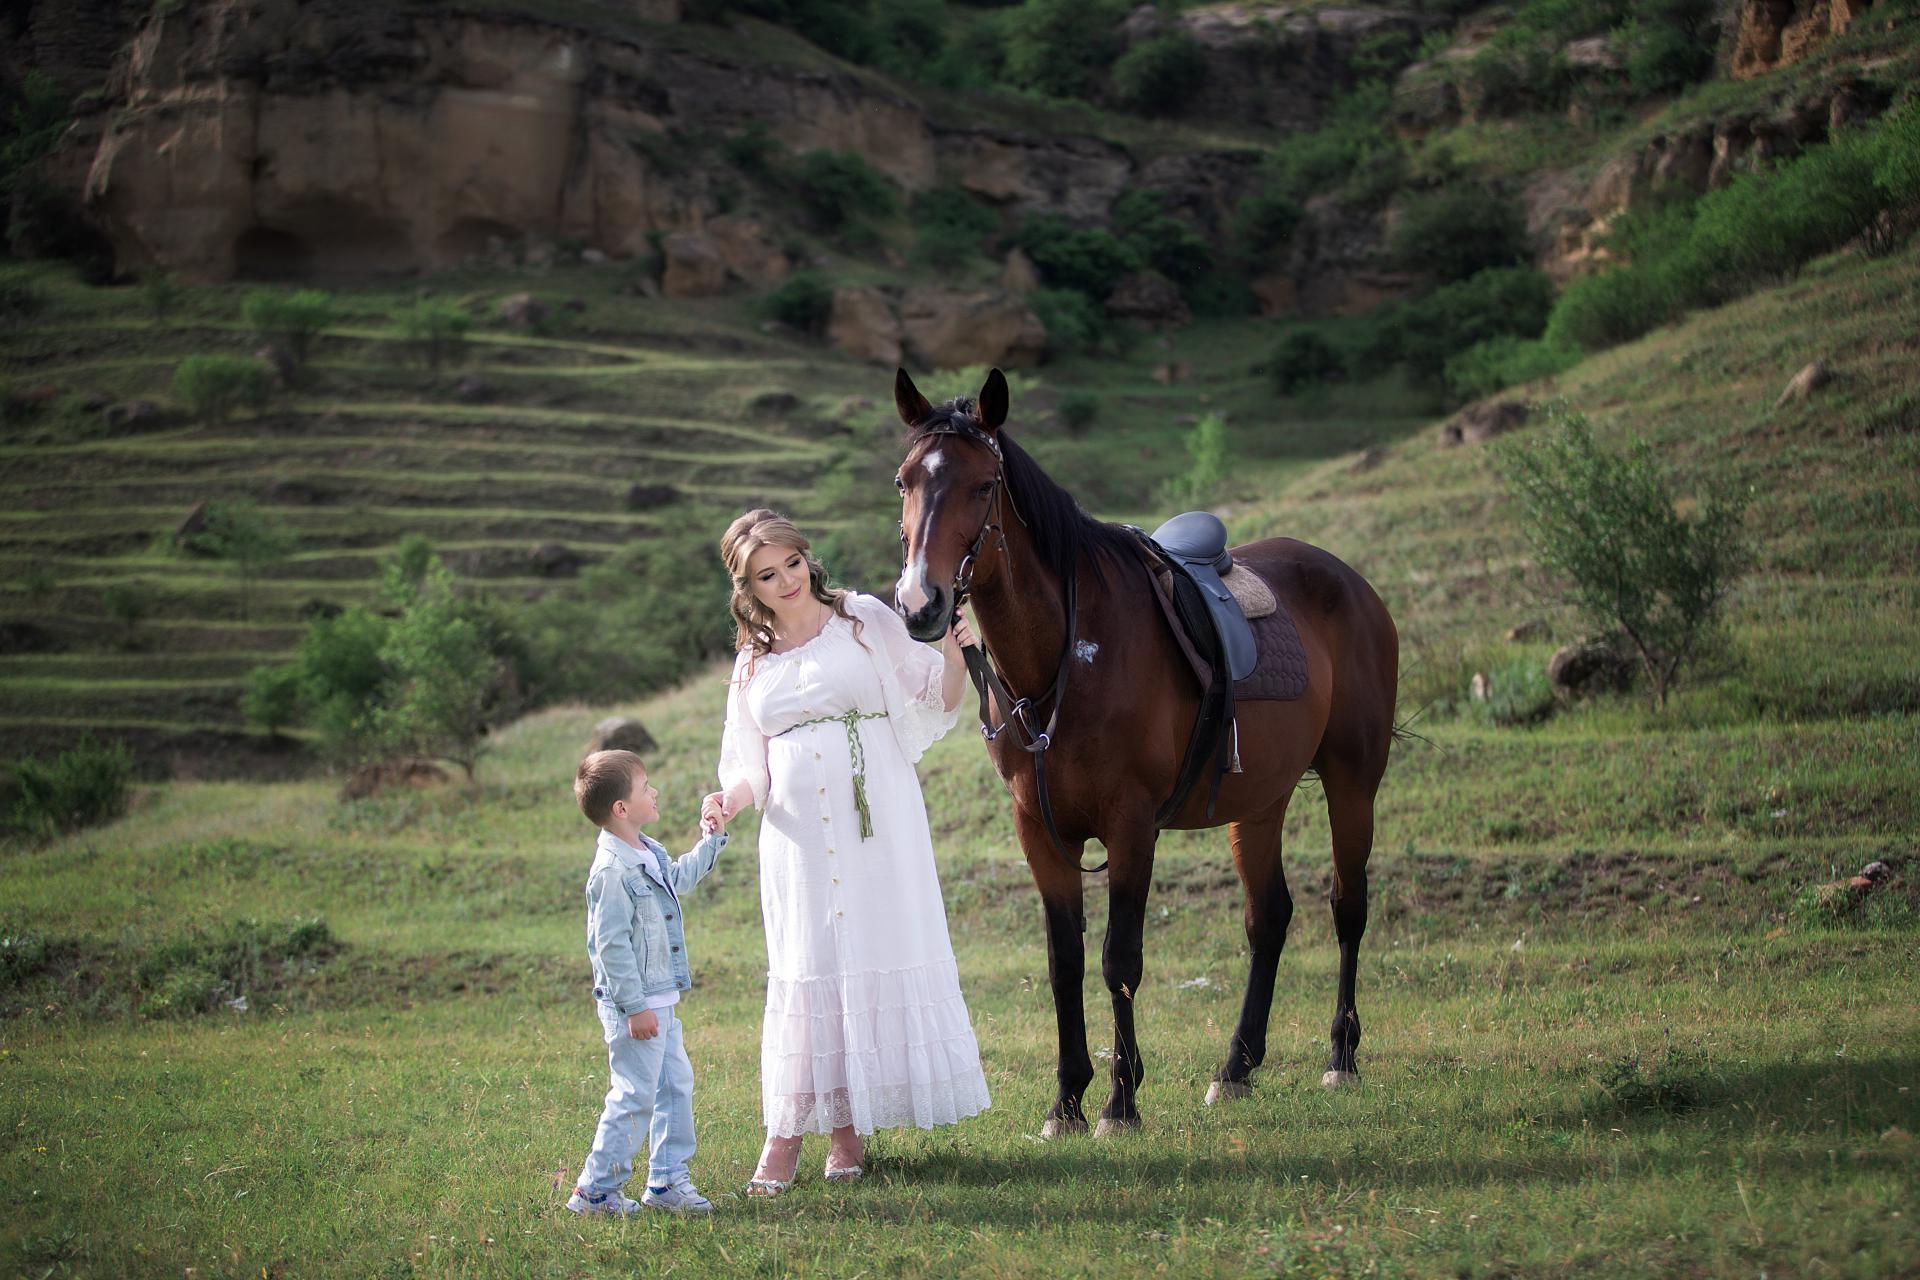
(753, 621)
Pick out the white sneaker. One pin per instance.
(681, 1197)
(604, 1202)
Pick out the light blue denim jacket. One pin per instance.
(635, 936)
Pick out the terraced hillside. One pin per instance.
(575, 443)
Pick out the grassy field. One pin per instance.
(1613, 1023)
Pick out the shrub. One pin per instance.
(753, 150)
(20, 297)
(247, 538)
(1061, 47)
(214, 386)
(1605, 524)
(1763, 226)
(1302, 356)
(1159, 240)
(1669, 44)
(1075, 323)
(441, 675)
(1089, 260)
(838, 188)
(161, 293)
(1676, 1081)
(1894, 147)
(1158, 76)
(1494, 364)
(1207, 466)
(436, 329)
(1504, 301)
(1353, 152)
(804, 302)
(343, 681)
(1077, 411)
(84, 785)
(128, 603)
(272, 697)
(1459, 231)
(1265, 221)
(953, 227)
(289, 320)
(196, 971)
(1518, 693)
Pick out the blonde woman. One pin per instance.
(830, 705)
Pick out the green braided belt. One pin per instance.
(852, 720)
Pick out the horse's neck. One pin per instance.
(1021, 611)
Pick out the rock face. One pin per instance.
(863, 325)
(950, 329)
(1149, 299)
(1778, 33)
(694, 267)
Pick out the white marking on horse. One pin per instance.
(1085, 651)
(933, 462)
(911, 590)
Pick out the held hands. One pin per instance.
(715, 812)
(644, 1025)
(961, 635)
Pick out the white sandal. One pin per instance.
(846, 1173)
(766, 1188)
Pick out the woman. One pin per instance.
(830, 705)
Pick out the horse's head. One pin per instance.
(950, 494)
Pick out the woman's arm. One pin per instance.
(953, 681)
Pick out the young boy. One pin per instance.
(637, 944)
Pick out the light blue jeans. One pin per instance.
(651, 1094)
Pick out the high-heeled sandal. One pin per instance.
(845, 1173)
(767, 1188)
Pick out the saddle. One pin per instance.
(1211, 603)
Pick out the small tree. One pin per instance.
(79, 787)
(162, 295)
(436, 329)
(1077, 411)
(443, 675)
(289, 320)
(1207, 447)
(247, 538)
(128, 603)
(214, 386)
(1605, 523)
(272, 698)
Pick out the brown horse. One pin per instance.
(980, 518)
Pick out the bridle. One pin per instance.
(1019, 711)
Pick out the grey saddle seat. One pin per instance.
(1198, 541)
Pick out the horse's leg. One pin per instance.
(1063, 901)
(1256, 853)
(1129, 877)
(1350, 814)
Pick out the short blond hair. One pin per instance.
(604, 778)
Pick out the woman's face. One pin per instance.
(778, 578)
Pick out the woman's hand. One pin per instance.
(954, 679)
(961, 632)
(714, 813)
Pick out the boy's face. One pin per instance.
(641, 805)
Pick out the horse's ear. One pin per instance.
(992, 404)
(913, 406)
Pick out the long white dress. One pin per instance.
(865, 1024)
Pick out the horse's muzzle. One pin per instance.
(928, 624)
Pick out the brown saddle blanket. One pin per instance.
(1280, 675)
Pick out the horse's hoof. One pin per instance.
(1227, 1090)
(1056, 1127)
(1339, 1079)
(1110, 1128)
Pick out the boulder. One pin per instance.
(306, 493)
(133, 413)
(950, 328)
(1274, 292)
(773, 404)
(749, 252)
(863, 325)
(386, 775)
(1589, 666)
(1150, 299)
(1484, 420)
(621, 733)
(1019, 275)
(556, 560)
(694, 266)
(642, 496)
(1805, 383)
(523, 311)
(1528, 631)
(279, 362)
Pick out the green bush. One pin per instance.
(1518, 693)
(1493, 364)
(1894, 146)
(1518, 73)
(20, 297)
(1077, 411)
(214, 386)
(1207, 450)
(199, 970)
(804, 302)
(1302, 356)
(1762, 226)
(839, 188)
(129, 604)
(162, 295)
(1605, 525)
(953, 227)
(1159, 240)
(1061, 48)
(435, 329)
(248, 538)
(1676, 1081)
(288, 320)
(1460, 230)
(753, 150)
(441, 675)
(272, 697)
(1075, 323)
(1087, 259)
(1264, 222)
(82, 786)
(1512, 301)
(1353, 153)
(1158, 76)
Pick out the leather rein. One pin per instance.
(980, 666)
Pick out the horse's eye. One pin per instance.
(901, 485)
(984, 491)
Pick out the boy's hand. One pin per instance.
(644, 1025)
(713, 813)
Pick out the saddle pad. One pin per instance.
(1281, 673)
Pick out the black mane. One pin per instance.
(1062, 532)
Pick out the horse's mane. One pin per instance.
(1062, 532)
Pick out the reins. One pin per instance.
(980, 665)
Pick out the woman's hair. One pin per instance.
(753, 621)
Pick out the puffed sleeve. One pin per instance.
(743, 748)
(911, 675)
